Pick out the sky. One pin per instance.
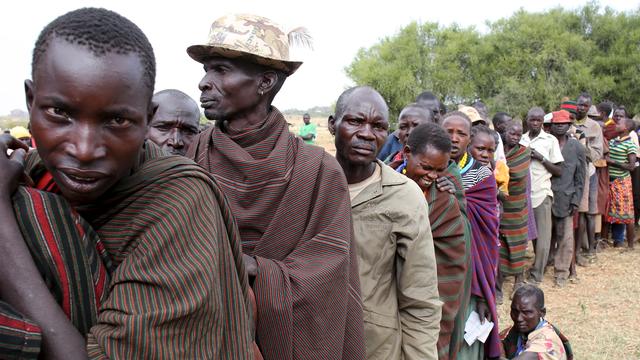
(338, 28)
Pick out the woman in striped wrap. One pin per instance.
(515, 217)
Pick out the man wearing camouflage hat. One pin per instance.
(290, 199)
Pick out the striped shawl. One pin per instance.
(55, 233)
(515, 217)
(483, 217)
(179, 289)
(292, 205)
(452, 258)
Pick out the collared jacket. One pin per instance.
(568, 188)
(397, 268)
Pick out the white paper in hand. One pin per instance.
(475, 330)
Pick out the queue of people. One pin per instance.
(129, 233)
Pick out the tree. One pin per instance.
(528, 59)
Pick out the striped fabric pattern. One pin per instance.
(457, 336)
(515, 216)
(70, 258)
(474, 173)
(179, 289)
(483, 217)
(619, 150)
(452, 257)
(20, 338)
(293, 210)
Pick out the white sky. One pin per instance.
(339, 29)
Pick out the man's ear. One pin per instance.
(332, 126)
(268, 81)
(28, 94)
(153, 108)
(543, 311)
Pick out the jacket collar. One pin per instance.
(389, 177)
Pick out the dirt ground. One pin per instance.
(600, 315)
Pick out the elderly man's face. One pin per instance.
(174, 124)
(228, 88)
(361, 130)
(525, 314)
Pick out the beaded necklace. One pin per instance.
(463, 160)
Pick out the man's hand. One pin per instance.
(12, 166)
(483, 310)
(445, 185)
(536, 155)
(251, 265)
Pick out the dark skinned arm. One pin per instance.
(21, 285)
(554, 169)
(307, 137)
(623, 165)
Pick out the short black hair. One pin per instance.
(605, 107)
(426, 96)
(535, 109)
(102, 32)
(482, 129)
(499, 116)
(426, 112)
(344, 97)
(429, 134)
(456, 114)
(528, 290)
(585, 95)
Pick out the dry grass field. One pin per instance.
(600, 314)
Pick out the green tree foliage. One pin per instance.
(528, 59)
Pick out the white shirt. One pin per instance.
(547, 145)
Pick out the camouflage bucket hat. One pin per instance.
(253, 38)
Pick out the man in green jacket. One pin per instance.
(397, 263)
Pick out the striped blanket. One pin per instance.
(452, 258)
(515, 217)
(178, 266)
(483, 217)
(55, 233)
(292, 205)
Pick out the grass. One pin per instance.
(600, 315)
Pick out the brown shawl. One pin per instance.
(292, 206)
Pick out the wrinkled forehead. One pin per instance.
(368, 107)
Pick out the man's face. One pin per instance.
(409, 119)
(560, 129)
(500, 124)
(362, 129)
(228, 88)
(174, 124)
(513, 134)
(483, 147)
(88, 116)
(582, 107)
(534, 122)
(525, 314)
(306, 119)
(426, 166)
(459, 131)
